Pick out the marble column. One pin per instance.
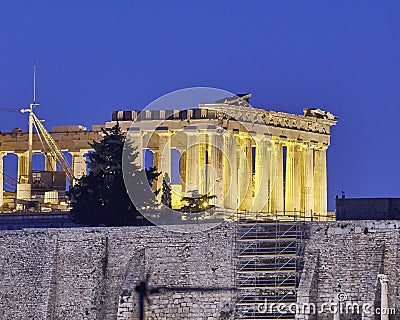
(275, 156)
(245, 174)
(203, 183)
(182, 169)
(230, 174)
(154, 152)
(307, 194)
(292, 183)
(23, 187)
(156, 163)
(135, 137)
(23, 169)
(1, 180)
(78, 164)
(384, 296)
(215, 169)
(192, 162)
(261, 183)
(320, 183)
(164, 145)
(50, 163)
(337, 302)
(164, 157)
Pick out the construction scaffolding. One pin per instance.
(268, 266)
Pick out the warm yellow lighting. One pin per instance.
(205, 204)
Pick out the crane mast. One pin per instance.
(55, 150)
(44, 136)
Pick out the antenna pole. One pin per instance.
(34, 82)
(30, 125)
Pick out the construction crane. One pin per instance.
(45, 138)
(55, 151)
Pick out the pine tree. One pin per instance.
(101, 196)
(152, 175)
(197, 204)
(166, 196)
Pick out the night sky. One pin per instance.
(98, 56)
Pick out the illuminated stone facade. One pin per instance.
(253, 160)
(258, 161)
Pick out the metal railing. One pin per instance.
(282, 216)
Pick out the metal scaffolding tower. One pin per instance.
(268, 267)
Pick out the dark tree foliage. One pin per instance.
(196, 205)
(152, 175)
(166, 196)
(101, 198)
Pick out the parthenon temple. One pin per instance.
(251, 159)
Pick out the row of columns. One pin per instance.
(78, 167)
(305, 183)
(228, 171)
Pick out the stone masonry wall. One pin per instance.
(82, 273)
(91, 273)
(26, 265)
(347, 257)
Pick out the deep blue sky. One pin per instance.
(98, 56)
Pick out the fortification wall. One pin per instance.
(90, 273)
(347, 257)
(26, 265)
(83, 273)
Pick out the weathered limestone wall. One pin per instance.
(347, 257)
(82, 273)
(90, 273)
(26, 265)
